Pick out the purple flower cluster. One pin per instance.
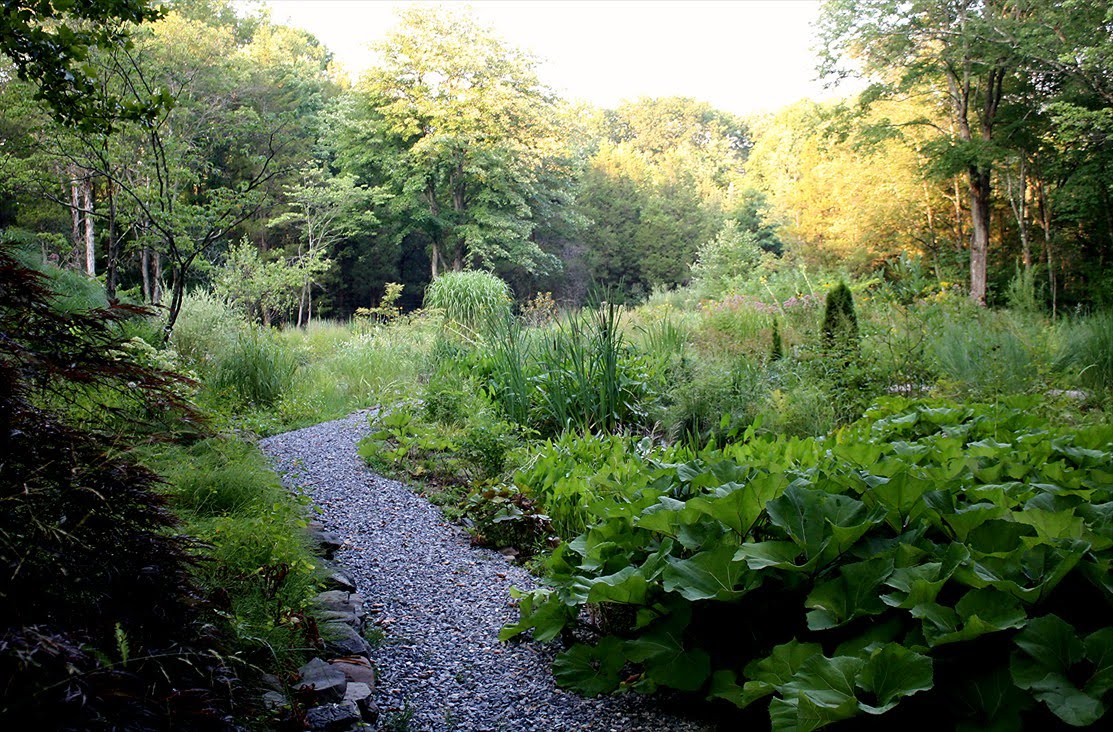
(803, 301)
(737, 302)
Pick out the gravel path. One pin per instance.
(443, 602)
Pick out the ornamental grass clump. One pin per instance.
(472, 299)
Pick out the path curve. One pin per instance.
(443, 604)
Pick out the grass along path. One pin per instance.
(441, 665)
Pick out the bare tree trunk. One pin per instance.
(1018, 201)
(156, 275)
(112, 259)
(1045, 225)
(145, 272)
(90, 233)
(75, 213)
(979, 239)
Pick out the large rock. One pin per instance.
(339, 579)
(335, 616)
(333, 717)
(362, 696)
(340, 601)
(325, 542)
(356, 669)
(321, 682)
(341, 639)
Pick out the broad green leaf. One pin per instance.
(801, 714)
(826, 682)
(724, 685)
(978, 612)
(740, 506)
(799, 513)
(902, 495)
(853, 594)
(891, 673)
(964, 520)
(540, 610)
(713, 574)
(769, 674)
(992, 697)
(774, 554)
(1050, 654)
(1051, 525)
(590, 670)
(627, 585)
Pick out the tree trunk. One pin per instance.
(75, 214)
(112, 258)
(90, 233)
(156, 275)
(980, 190)
(145, 272)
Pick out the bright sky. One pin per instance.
(742, 56)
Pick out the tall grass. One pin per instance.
(1086, 351)
(471, 298)
(255, 369)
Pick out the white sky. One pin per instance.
(742, 56)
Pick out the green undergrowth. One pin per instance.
(255, 561)
(933, 561)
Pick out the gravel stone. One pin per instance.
(440, 602)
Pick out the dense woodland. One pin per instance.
(837, 375)
(975, 154)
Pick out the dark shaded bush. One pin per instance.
(99, 622)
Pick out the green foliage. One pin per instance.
(776, 350)
(503, 516)
(472, 298)
(890, 568)
(206, 327)
(722, 263)
(840, 321)
(577, 374)
(255, 368)
(571, 475)
(1087, 351)
(387, 310)
(257, 559)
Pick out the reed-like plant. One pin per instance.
(472, 299)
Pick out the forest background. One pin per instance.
(977, 159)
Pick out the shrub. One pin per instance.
(255, 369)
(1087, 351)
(840, 322)
(942, 565)
(470, 298)
(206, 327)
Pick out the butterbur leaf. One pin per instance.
(590, 670)
(853, 594)
(978, 612)
(801, 714)
(1052, 658)
(739, 506)
(724, 685)
(774, 554)
(625, 586)
(828, 682)
(713, 574)
(775, 670)
(539, 610)
(992, 703)
(799, 513)
(891, 673)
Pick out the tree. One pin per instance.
(324, 210)
(455, 124)
(954, 50)
(49, 42)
